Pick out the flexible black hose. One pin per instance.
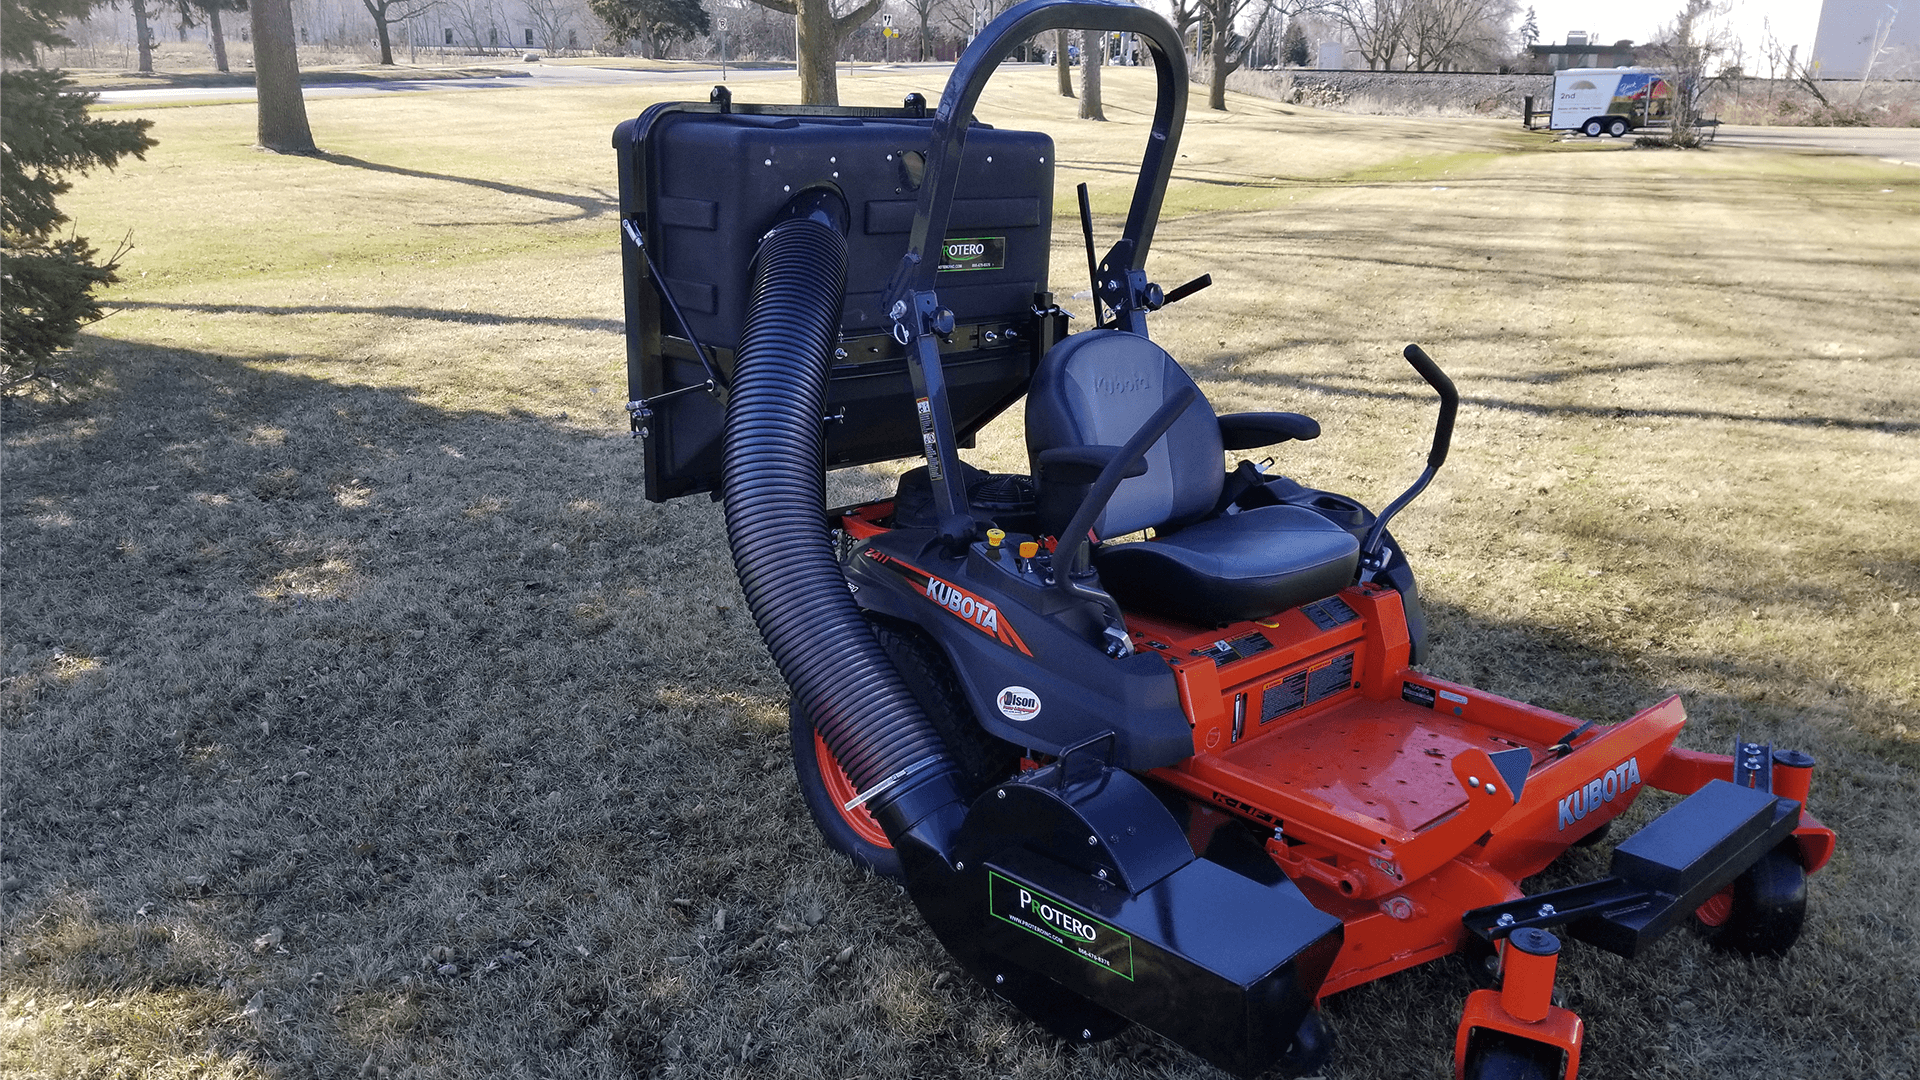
(774, 462)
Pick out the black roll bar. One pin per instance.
(955, 115)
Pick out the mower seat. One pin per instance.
(1203, 565)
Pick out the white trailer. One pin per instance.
(1610, 101)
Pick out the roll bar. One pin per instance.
(912, 287)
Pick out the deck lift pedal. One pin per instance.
(1193, 781)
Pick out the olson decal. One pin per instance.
(980, 614)
(1068, 928)
(1615, 782)
(1018, 703)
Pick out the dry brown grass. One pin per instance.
(362, 719)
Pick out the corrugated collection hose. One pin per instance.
(774, 461)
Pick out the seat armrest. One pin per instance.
(1081, 465)
(1250, 430)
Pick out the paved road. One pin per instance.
(1899, 145)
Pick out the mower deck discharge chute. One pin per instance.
(1193, 781)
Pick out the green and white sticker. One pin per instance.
(973, 253)
(1065, 926)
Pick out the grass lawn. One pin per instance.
(361, 718)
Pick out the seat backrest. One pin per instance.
(1097, 388)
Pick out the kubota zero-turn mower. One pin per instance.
(1194, 781)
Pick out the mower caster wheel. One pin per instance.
(1312, 1046)
(1482, 962)
(1760, 914)
(1498, 1056)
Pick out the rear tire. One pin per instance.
(1617, 127)
(825, 787)
(1762, 912)
(1592, 128)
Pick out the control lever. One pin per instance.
(1372, 558)
(1182, 292)
(1075, 550)
(1093, 261)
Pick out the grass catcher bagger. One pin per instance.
(1192, 781)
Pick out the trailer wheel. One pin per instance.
(825, 787)
(1592, 128)
(1761, 913)
(1496, 1055)
(1617, 127)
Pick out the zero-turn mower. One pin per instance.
(1144, 737)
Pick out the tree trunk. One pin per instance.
(276, 77)
(1093, 49)
(218, 38)
(1060, 62)
(819, 76)
(145, 35)
(1218, 46)
(386, 40)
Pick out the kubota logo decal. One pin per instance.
(1604, 788)
(980, 614)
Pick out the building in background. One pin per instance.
(1867, 38)
(1582, 50)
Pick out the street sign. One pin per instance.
(723, 24)
(886, 20)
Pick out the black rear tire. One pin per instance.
(982, 759)
(1592, 128)
(1769, 907)
(1617, 127)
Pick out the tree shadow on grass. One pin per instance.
(585, 206)
(392, 311)
(1219, 367)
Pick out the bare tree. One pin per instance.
(552, 19)
(193, 10)
(1442, 34)
(923, 12)
(1093, 49)
(1375, 27)
(1227, 49)
(1682, 53)
(820, 33)
(1185, 14)
(143, 33)
(386, 13)
(282, 109)
(1063, 62)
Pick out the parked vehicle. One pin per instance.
(1610, 101)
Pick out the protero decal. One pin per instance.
(1052, 920)
(1606, 787)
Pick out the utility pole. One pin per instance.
(723, 48)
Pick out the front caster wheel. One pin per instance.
(1312, 1046)
(1761, 913)
(1498, 1056)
